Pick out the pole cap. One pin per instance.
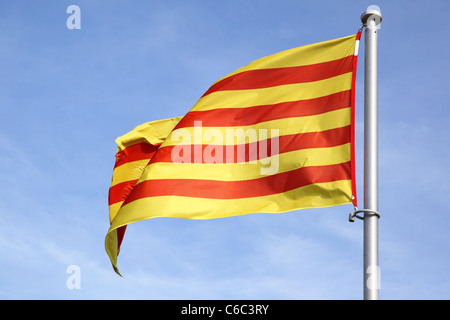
(373, 12)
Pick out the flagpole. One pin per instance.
(371, 18)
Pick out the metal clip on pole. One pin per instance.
(354, 215)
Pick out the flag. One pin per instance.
(274, 136)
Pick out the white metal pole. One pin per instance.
(371, 18)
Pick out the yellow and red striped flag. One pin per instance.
(276, 135)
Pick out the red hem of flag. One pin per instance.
(353, 160)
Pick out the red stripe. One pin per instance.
(264, 78)
(120, 235)
(232, 117)
(120, 191)
(320, 139)
(264, 186)
(139, 151)
(353, 158)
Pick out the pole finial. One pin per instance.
(372, 12)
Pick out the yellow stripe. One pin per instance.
(128, 171)
(325, 121)
(153, 132)
(311, 196)
(113, 209)
(305, 55)
(273, 95)
(111, 247)
(244, 171)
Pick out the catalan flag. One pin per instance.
(274, 136)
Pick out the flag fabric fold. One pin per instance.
(134, 151)
(276, 135)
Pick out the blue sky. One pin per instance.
(65, 95)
